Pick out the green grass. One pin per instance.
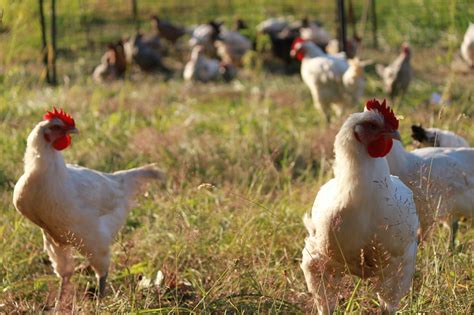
(233, 245)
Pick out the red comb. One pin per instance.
(65, 117)
(406, 48)
(385, 110)
(299, 55)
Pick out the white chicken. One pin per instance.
(397, 76)
(74, 206)
(354, 81)
(205, 34)
(352, 45)
(363, 220)
(434, 137)
(442, 181)
(200, 67)
(467, 46)
(324, 76)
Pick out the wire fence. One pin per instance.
(422, 22)
(84, 27)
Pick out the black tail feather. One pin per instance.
(418, 133)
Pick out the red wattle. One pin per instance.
(300, 55)
(380, 147)
(62, 142)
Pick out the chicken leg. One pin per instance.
(102, 284)
(454, 230)
(63, 264)
(321, 282)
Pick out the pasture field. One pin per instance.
(244, 161)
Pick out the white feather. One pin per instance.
(201, 68)
(467, 46)
(446, 138)
(442, 180)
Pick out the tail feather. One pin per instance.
(418, 133)
(134, 178)
(380, 69)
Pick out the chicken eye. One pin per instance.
(55, 128)
(371, 126)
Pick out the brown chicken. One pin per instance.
(397, 76)
(113, 64)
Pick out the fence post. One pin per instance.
(44, 45)
(351, 19)
(54, 80)
(135, 15)
(342, 25)
(374, 24)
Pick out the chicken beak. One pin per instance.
(293, 53)
(73, 130)
(394, 134)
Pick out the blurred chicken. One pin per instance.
(315, 33)
(282, 36)
(352, 46)
(227, 71)
(147, 58)
(467, 46)
(204, 69)
(354, 81)
(205, 35)
(232, 46)
(442, 181)
(113, 64)
(281, 44)
(434, 137)
(330, 79)
(75, 207)
(241, 26)
(272, 25)
(201, 68)
(167, 30)
(153, 38)
(364, 220)
(397, 76)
